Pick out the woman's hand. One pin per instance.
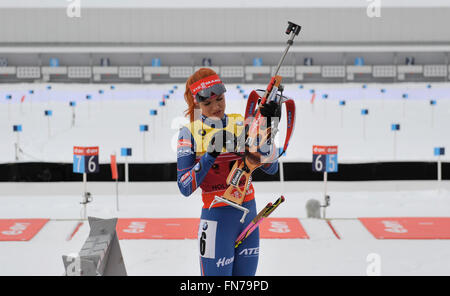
(270, 110)
(220, 140)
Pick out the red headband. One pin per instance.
(205, 83)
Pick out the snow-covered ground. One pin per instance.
(321, 254)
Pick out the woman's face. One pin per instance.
(214, 107)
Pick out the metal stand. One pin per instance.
(439, 173)
(395, 145)
(49, 129)
(117, 194)
(17, 147)
(326, 197)
(87, 197)
(126, 176)
(218, 199)
(324, 206)
(73, 116)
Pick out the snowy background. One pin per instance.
(111, 117)
(111, 120)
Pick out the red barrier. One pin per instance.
(187, 228)
(282, 228)
(408, 228)
(20, 229)
(155, 228)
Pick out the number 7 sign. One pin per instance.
(85, 160)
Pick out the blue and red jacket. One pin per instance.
(197, 168)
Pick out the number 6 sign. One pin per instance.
(85, 160)
(325, 159)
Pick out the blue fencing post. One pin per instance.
(144, 129)
(89, 98)
(101, 92)
(31, 92)
(395, 127)
(72, 105)
(364, 113)
(324, 97)
(126, 152)
(383, 91)
(405, 97)
(439, 151)
(153, 115)
(9, 98)
(342, 104)
(432, 105)
(48, 114)
(17, 129)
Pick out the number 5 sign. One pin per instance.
(85, 160)
(325, 159)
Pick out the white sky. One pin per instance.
(223, 3)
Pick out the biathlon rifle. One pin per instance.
(258, 131)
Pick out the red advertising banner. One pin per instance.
(281, 228)
(157, 228)
(408, 228)
(187, 228)
(20, 229)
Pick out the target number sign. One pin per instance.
(325, 159)
(85, 160)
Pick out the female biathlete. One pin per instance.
(204, 159)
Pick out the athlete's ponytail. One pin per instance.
(198, 75)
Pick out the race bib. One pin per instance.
(207, 238)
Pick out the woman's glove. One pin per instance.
(220, 140)
(270, 109)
